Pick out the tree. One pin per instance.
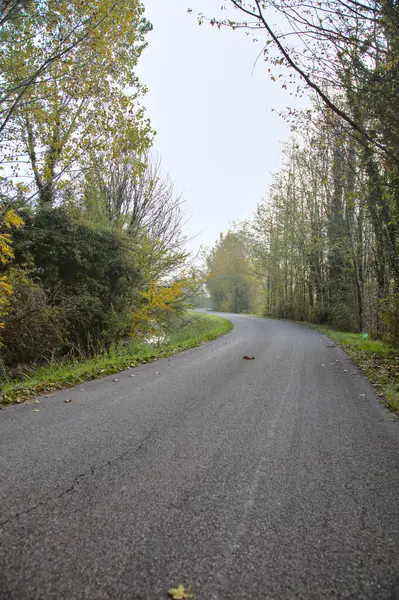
(231, 281)
(86, 93)
(334, 45)
(130, 191)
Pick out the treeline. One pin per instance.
(323, 246)
(90, 225)
(311, 250)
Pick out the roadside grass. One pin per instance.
(377, 359)
(194, 330)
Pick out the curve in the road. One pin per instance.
(274, 478)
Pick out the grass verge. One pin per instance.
(377, 359)
(196, 329)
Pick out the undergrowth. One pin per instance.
(194, 330)
(377, 359)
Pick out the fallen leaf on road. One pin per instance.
(362, 395)
(323, 365)
(132, 375)
(345, 370)
(180, 593)
(35, 410)
(37, 401)
(67, 400)
(158, 373)
(115, 380)
(248, 357)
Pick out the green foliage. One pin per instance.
(187, 332)
(327, 243)
(103, 225)
(94, 271)
(379, 360)
(36, 327)
(69, 86)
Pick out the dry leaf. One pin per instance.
(35, 410)
(115, 380)
(68, 400)
(248, 357)
(180, 593)
(158, 373)
(37, 401)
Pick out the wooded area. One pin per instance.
(91, 241)
(323, 245)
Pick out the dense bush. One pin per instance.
(35, 326)
(82, 285)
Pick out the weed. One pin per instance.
(194, 330)
(379, 361)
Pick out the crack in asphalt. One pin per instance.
(77, 480)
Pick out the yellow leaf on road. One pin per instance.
(180, 593)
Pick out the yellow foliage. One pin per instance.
(8, 220)
(157, 299)
(5, 293)
(163, 297)
(161, 301)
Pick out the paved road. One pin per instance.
(268, 479)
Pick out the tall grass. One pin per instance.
(193, 330)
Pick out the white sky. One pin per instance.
(217, 136)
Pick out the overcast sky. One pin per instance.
(216, 133)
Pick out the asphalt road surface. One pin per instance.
(274, 478)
